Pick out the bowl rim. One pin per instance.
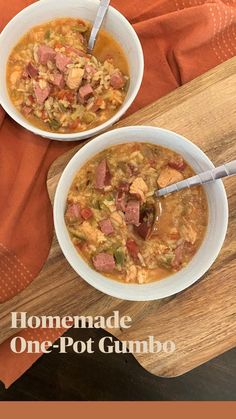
(16, 116)
(65, 248)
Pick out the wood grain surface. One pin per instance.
(202, 319)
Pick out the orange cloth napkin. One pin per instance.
(181, 40)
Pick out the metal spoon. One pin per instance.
(227, 169)
(101, 13)
(149, 219)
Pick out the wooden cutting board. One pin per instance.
(202, 319)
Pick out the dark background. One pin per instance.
(98, 376)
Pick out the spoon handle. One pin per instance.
(227, 169)
(101, 13)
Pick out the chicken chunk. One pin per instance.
(74, 78)
(131, 273)
(116, 218)
(168, 176)
(189, 234)
(14, 77)
(142, 276)
(93, 235)
(139, 187)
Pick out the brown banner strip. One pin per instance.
(118, 409)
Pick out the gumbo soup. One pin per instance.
(57, 86)
(120, 228)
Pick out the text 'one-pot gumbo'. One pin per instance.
(120, 228)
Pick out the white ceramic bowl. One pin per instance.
(46, 10)
(217, 225)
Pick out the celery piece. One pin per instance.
(79, 28)
(78, 113)
(88, 117)
(77, 234)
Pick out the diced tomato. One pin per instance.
(96, 106)
(132, 248)
(76, 51)
(44, 115)
(54, 91)
(31, 98)
(135, 147)
(80, 21)
(83, 247)
(175, 236)
(69, 96)
(144, 230)
(61, 94)
(66, 94)
(177, 163)
(86, 213)
(26, 110)
(58, 45)
(69, 49)
(179, 254)
(109, 58)
(153, 163)
(80, 246)
(74, 124)
(123, 186)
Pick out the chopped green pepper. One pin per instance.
(62, 107)
(54, 124)
(102, 206)
(96, 205)
(126, 86)
(109, 197)
(166, 261)
(119, 257)
(47, 34)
